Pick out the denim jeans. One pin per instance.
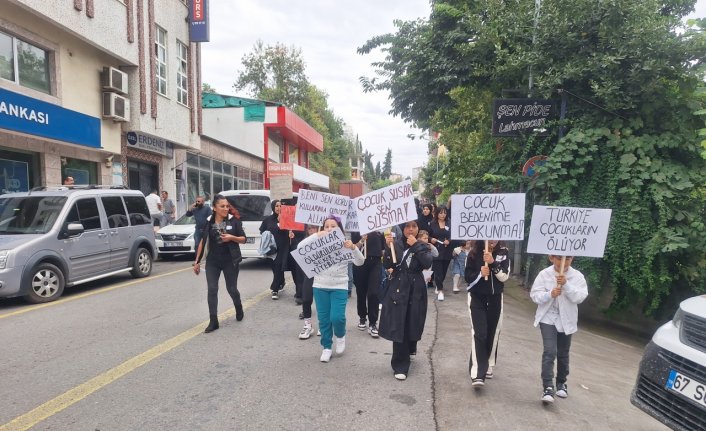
(556, 346)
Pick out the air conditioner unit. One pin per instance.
(116, 107)
(113, 79)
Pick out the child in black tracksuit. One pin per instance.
(485, 304)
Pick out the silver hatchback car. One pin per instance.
(53, 237)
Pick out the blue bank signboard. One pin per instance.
(35, 117)
(199, 20)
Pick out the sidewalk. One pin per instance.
(602, 375)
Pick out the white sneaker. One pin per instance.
(440, 296)
(340, 345)
(401, 376)
(326, 355)
(305, 332)
(318, 332)
(456, 289)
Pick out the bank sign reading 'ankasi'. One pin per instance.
(515, 117)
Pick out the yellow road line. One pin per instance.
(84, 295)
(72, 396)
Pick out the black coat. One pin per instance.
(407, 294)
(236, 228)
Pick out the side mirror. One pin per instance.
(74, 229)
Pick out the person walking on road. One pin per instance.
(168, 209)
(279, 263)
(440, 233)
(367, 279)
(485, 273)
(460, 254)
(200, 212)
(307, 292)
(557, 291)
(404, 308)
(223, 235)
(331, 293)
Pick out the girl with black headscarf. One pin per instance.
(279, 264)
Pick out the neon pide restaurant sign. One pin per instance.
(515, 117)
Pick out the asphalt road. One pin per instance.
(125, 354)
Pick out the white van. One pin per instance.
(253, 206)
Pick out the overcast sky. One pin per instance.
(328, 33)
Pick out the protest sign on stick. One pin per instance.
(488, 217)
(385, 207)
(287, 217)
(322, 253)
(313, 207)
(568, 231)
(351, 218)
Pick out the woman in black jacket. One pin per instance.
(404, 308)
(222, 234)
(485, 301)
(440, 234)
(279, 264)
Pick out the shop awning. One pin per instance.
(297, 131)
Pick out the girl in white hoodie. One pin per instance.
(331, 293)
(557, 297)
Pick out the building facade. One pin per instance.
(105, 91)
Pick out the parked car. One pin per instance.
(253, 206)
(671, 382)
(177, 238)
(55, 237)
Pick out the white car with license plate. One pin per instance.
(176, 238)
(671, 382)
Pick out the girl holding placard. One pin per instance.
(331, 293)
(486, 272)
(279, 264)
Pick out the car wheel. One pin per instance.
(142, 267)
(46, 284)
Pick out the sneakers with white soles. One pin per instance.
(440, 296)
(477, 383)
(340, 345)
(326, 355)
(373, 331)
(305, 332)
(400, 376)
(548, 395)
(362, 324)
(562, 391)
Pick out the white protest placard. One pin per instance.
(313, 207)
(322, 253)
(385, 207)
(568, 231)
(352, 219)
(498, 216)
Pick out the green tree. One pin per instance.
(207, 88)
(378, 172)
(629, 71)
(387, 165)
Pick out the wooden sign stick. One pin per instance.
(365, 247)
(486, 263)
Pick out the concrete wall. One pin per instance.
(227, 125)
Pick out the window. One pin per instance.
(161, 54)
(85, 212)
(115, 211)
(24, 63)
(137, 208)
(181, 76)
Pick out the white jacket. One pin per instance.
(335, 277)
(573, 293)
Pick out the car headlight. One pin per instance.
(3, 258)
(190, 236)
(678, 317)
(158, 236)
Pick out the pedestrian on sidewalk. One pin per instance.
(440, 233)
(279, 263)
(404, 308)
(331, 293)
(307, 292)
(222, 235)
(485, 273)
(367, 279)
(169, 209)
(557, 293)
(200, 212)
(460, 254)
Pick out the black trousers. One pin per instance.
(486, 321)
(278, 265)
(400, 351)
(214, 266)
(367, 278)
(306, 291)
(440, 268)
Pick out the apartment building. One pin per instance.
(105, 91)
